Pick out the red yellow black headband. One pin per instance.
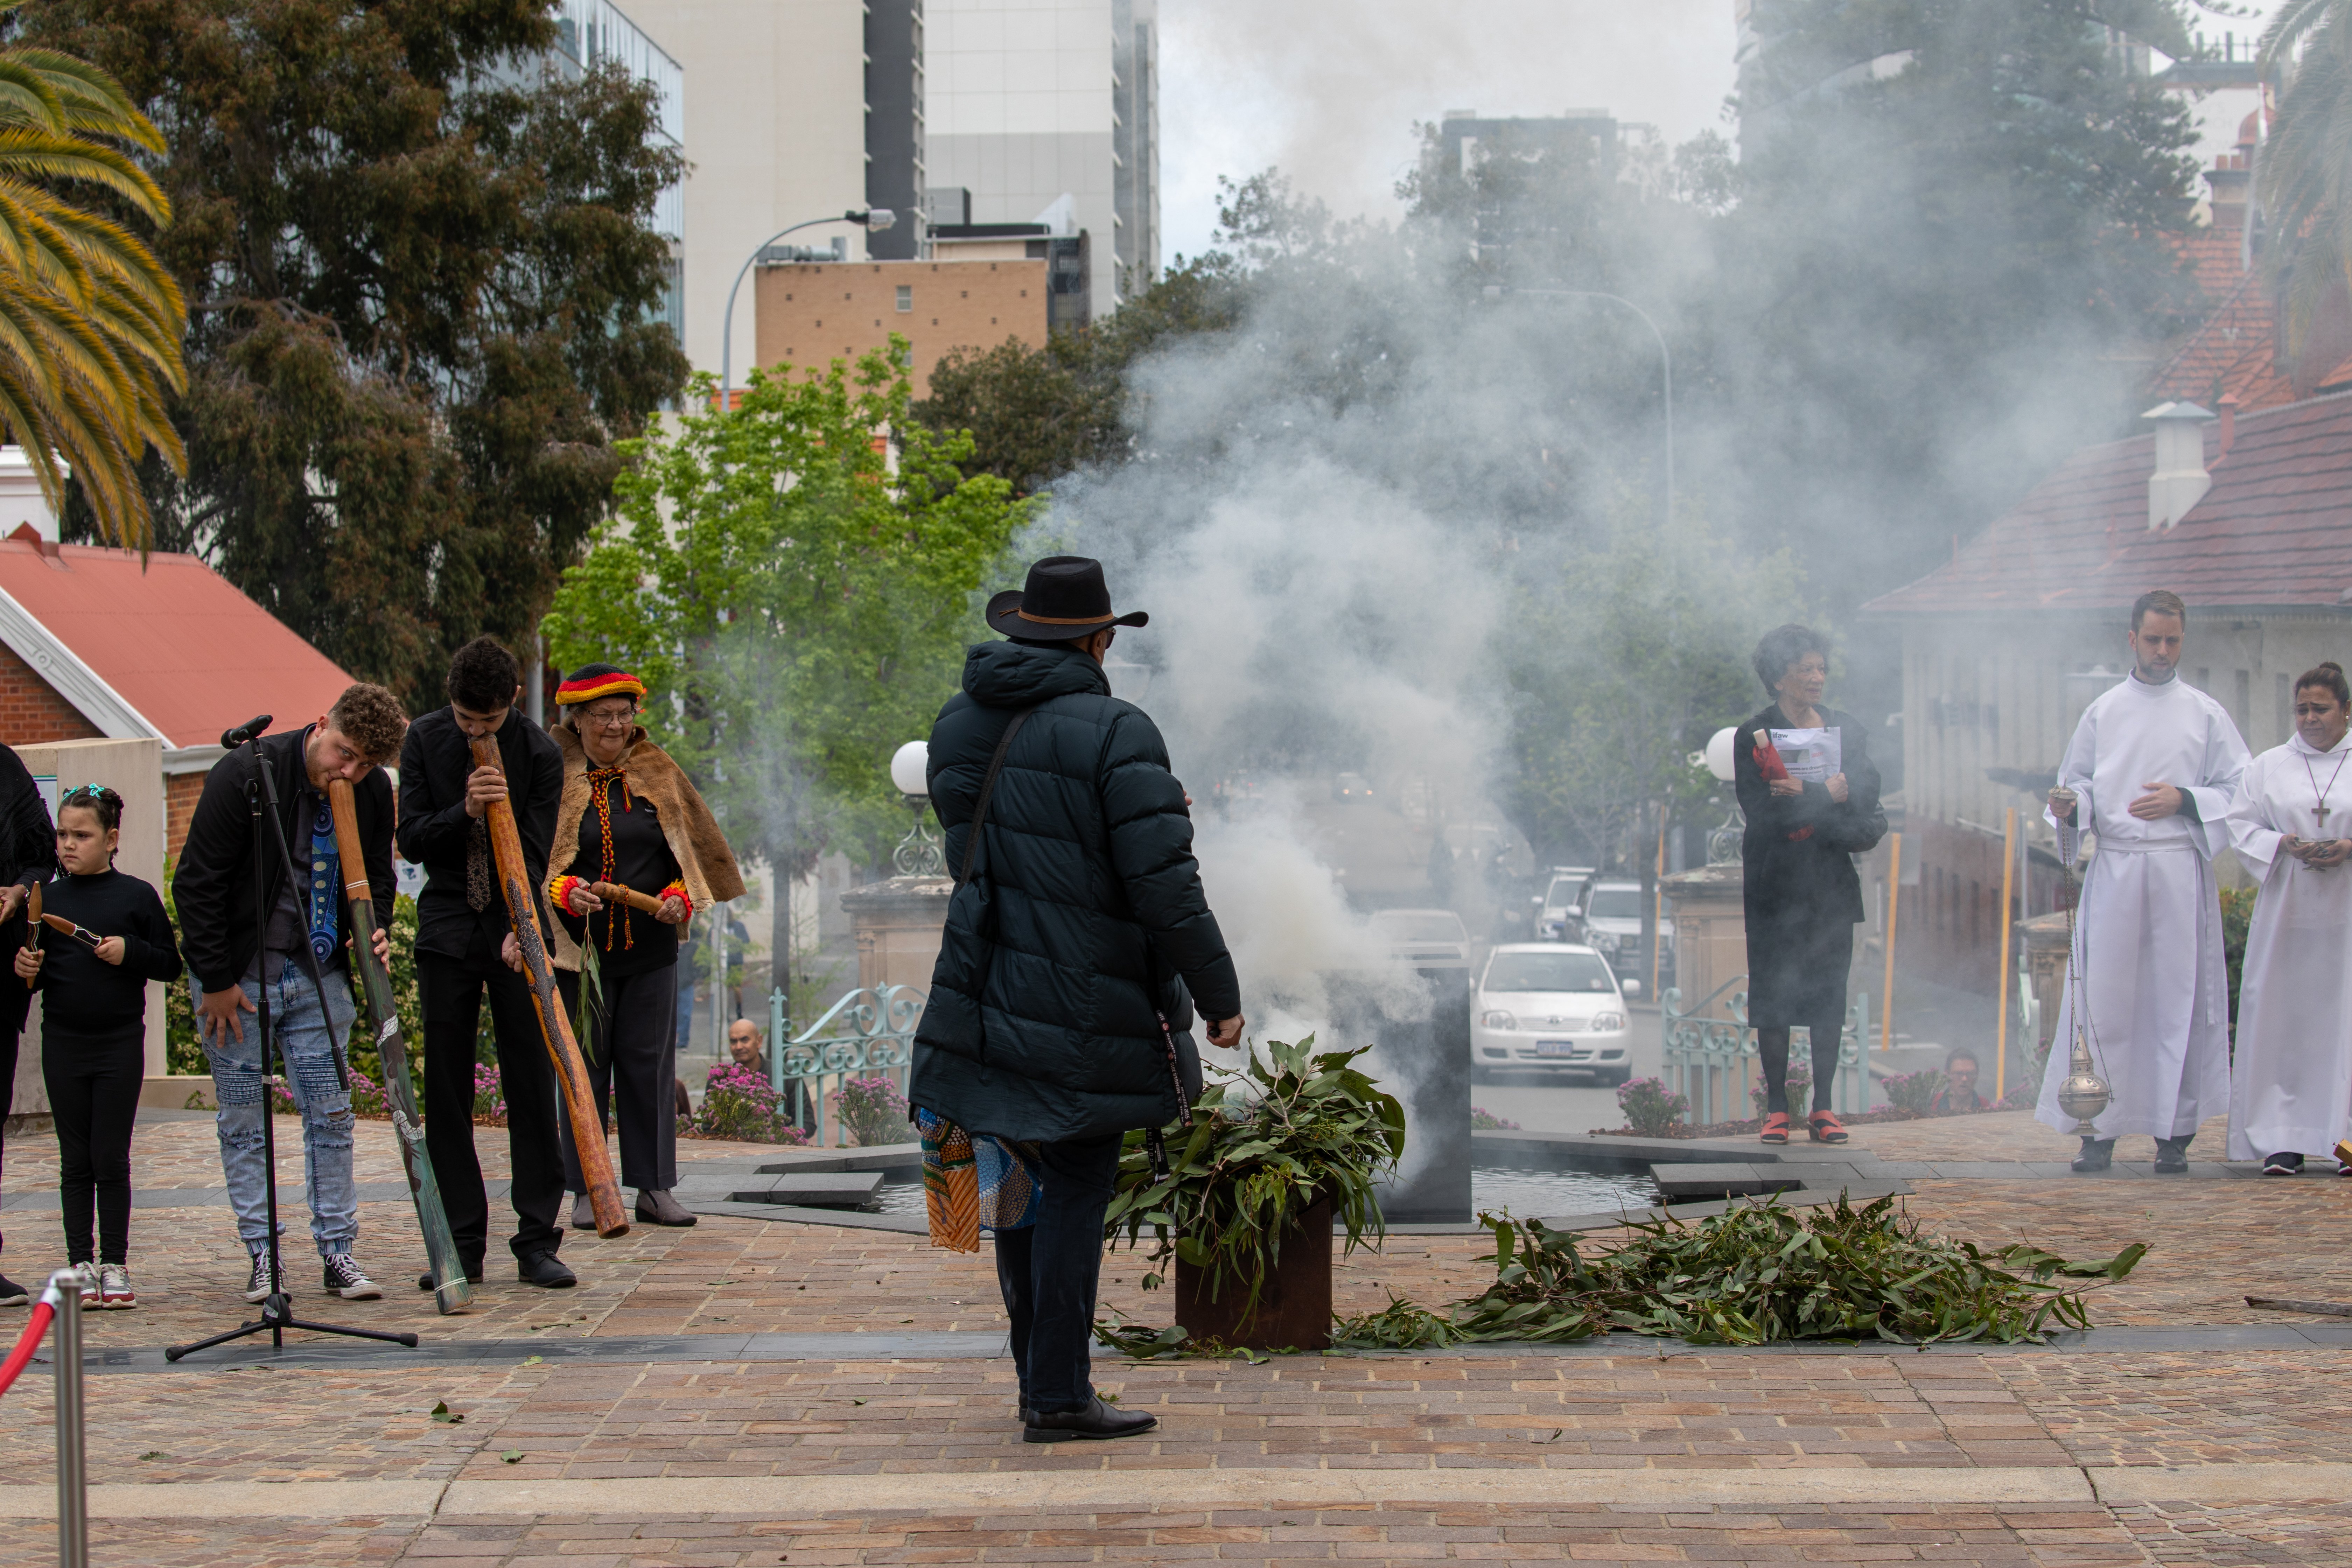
(589, 687)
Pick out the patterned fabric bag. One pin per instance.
(975, 1182)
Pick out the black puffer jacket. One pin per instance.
(1086, 909)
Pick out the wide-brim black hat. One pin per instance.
(1065, 599)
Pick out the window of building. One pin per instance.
(906, 296)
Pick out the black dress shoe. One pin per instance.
(2098, 1155)
(547, 1271)
(2172, 1155)
(473, 1277)
(1097, 1421)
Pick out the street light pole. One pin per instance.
(873, 219)
(1665, 357)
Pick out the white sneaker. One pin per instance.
(115, 1292)
(263, 1283)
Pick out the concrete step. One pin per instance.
(806, 1189)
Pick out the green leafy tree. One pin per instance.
(1624, 662)
(796, 582)
(1035, 413)
(421, 277)
(2306, 168)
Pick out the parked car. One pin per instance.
(1351, 786)
(1556, 907)
(1609, 919)
(1553, 1006)
(1424, 936)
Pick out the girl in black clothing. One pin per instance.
(94, 973)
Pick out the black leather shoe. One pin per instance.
(547, 1271)
(2172, 1155)
(2098, 1155)
(424, 1280)
(1097, 1421)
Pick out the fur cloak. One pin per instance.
(705, 863)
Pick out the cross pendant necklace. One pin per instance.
(2319, 797)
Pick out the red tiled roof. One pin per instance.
(2275, 530)
(2235, 350)
(173, 638)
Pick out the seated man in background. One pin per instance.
(744, 1044)
(1958, 1096)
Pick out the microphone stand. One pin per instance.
(277, 1308)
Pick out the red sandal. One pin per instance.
(1775, 1127)
(1826, 1127)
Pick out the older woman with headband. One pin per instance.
(629, 823)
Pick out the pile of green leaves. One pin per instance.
(1289, 1129)
(1756, 1273)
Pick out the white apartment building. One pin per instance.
(1027, 101)
(798, 109)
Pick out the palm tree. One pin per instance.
(2304, 175)
(89, 322)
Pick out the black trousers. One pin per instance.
(451, 990)
(1049, 1271)
(16, 1006)
(94, 1095)
(636, 1048)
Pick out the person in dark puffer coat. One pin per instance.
(1082, 922)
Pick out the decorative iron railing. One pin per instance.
(1706, 1059)
(866, 1033)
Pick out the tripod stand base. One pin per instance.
(276, 1316)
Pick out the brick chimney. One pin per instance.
(2180, 481)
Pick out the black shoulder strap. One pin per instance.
(988, 788)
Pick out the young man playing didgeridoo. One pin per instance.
(230, 962)
(466, 949)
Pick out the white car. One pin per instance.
(1554, 1006)
(1424, 936)
(1559, 901)
(1608, 916)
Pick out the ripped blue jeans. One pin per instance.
(301, 1037)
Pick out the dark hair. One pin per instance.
(2328, 674)
(2158, 599)
(97, 799)
(1960, 1054)
(370, 719)
(483, 676)
(1782, 646)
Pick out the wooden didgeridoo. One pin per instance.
(570, 1071)
(451, 1292)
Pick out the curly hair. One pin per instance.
(370, 718)
(99, 801)
(483, 676)
(1782, 646)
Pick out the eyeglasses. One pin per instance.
(611, 718)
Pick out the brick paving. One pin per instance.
(1680, 1413)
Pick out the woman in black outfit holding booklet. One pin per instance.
(1802, 894)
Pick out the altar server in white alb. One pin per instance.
(2151, 770)
(2293, 1096)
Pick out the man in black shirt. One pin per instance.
(233, 957)
(28, 854)
(466, 946)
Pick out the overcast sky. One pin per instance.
(1328, 90)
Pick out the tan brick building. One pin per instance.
(810, 314)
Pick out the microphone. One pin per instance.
(232, 739)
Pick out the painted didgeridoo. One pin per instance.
(571, 1070)
(451, 1292)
